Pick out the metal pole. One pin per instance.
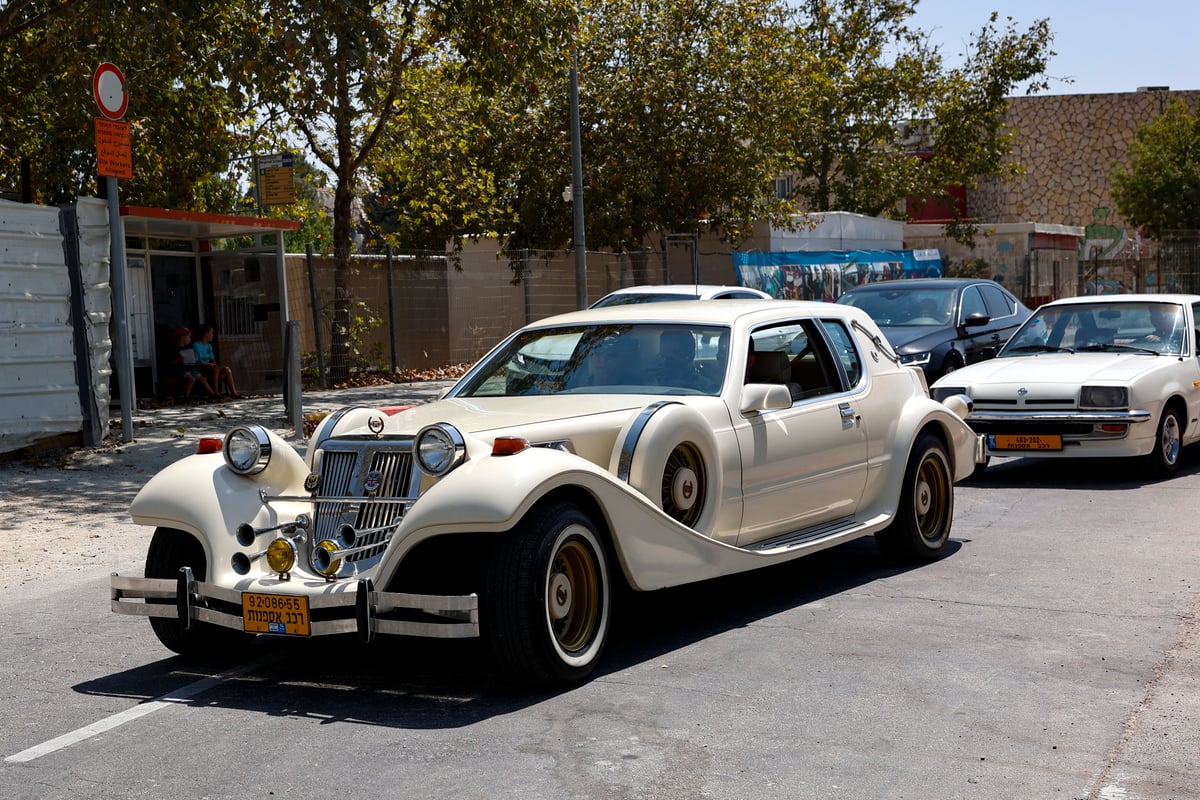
(391, 310)
(316, 315)
(295, 406)
(581, 293)
(123, 344)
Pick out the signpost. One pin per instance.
(114, 159)
(276, 180)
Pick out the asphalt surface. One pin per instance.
(1054, 652)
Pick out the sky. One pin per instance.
(1102, 45)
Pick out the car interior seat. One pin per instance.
(773, 366)
(809, 375)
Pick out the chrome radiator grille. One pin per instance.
(346, 470)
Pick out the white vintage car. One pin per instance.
(1092, 377)
(641, 446)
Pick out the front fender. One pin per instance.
(202, 495)
(493, 494)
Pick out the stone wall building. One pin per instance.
(1068, 146)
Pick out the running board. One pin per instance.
(845, 528)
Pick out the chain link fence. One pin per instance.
(421, 311)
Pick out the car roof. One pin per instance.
(710, 312)
(1186, 299)
(919, 283)
(682, 289)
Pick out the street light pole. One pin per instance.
(581, 294)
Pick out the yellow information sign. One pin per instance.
(276, 180)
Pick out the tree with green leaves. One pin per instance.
(185, 126)
(867, 72)
(677, 128)
(335, 78)
(1158, 188)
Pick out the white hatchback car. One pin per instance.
(1092, 377)
(678, 291)
(644, 446)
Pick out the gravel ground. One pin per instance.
(67, 510)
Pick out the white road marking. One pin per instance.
(138, 711)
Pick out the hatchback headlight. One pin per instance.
(940, 393)
(1103, 397)
(247, 449)
(439, 448)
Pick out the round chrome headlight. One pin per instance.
(247, 449)
(439, 448)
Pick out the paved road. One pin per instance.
(1053, 653)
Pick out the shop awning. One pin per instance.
(167, 223)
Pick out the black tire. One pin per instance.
(171, 550)
(921, 527)
(951, 363)
(548, 603)
(1163, 460)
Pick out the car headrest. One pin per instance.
(770, 367)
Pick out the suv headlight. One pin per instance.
(439, 448)
(247, 449)
(915, 359)
(1103, 397)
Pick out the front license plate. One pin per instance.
(1035, 441)
(283, 614)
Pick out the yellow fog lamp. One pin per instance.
(324, 560)
(281, 555)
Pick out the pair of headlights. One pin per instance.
(438, 448)
(1090, 397)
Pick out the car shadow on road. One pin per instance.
(424, 683)
(1075, 473)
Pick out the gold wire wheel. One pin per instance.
(684, 485)
(573, 595)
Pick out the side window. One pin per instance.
(998, 303)
(972, 303)
(1196, 332)
(845, 351)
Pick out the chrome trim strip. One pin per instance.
(1077, 417)
(625, 461)
(336, 417)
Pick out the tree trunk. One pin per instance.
(339, 344)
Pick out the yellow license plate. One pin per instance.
(1037, 441)
(282, 614)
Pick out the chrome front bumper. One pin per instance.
(1062, 417)
(366, 611)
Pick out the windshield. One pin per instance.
(641, 297)
(905, 306)
(605, 359)
(1130, 327)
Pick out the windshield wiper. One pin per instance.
(1100, 348)
(1040, 348)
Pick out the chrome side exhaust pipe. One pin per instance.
(247, 533)
(328, 554)
(241, 562)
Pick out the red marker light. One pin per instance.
(209, 445)
(508, 445)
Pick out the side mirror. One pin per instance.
(976, 320)
(758, 397)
